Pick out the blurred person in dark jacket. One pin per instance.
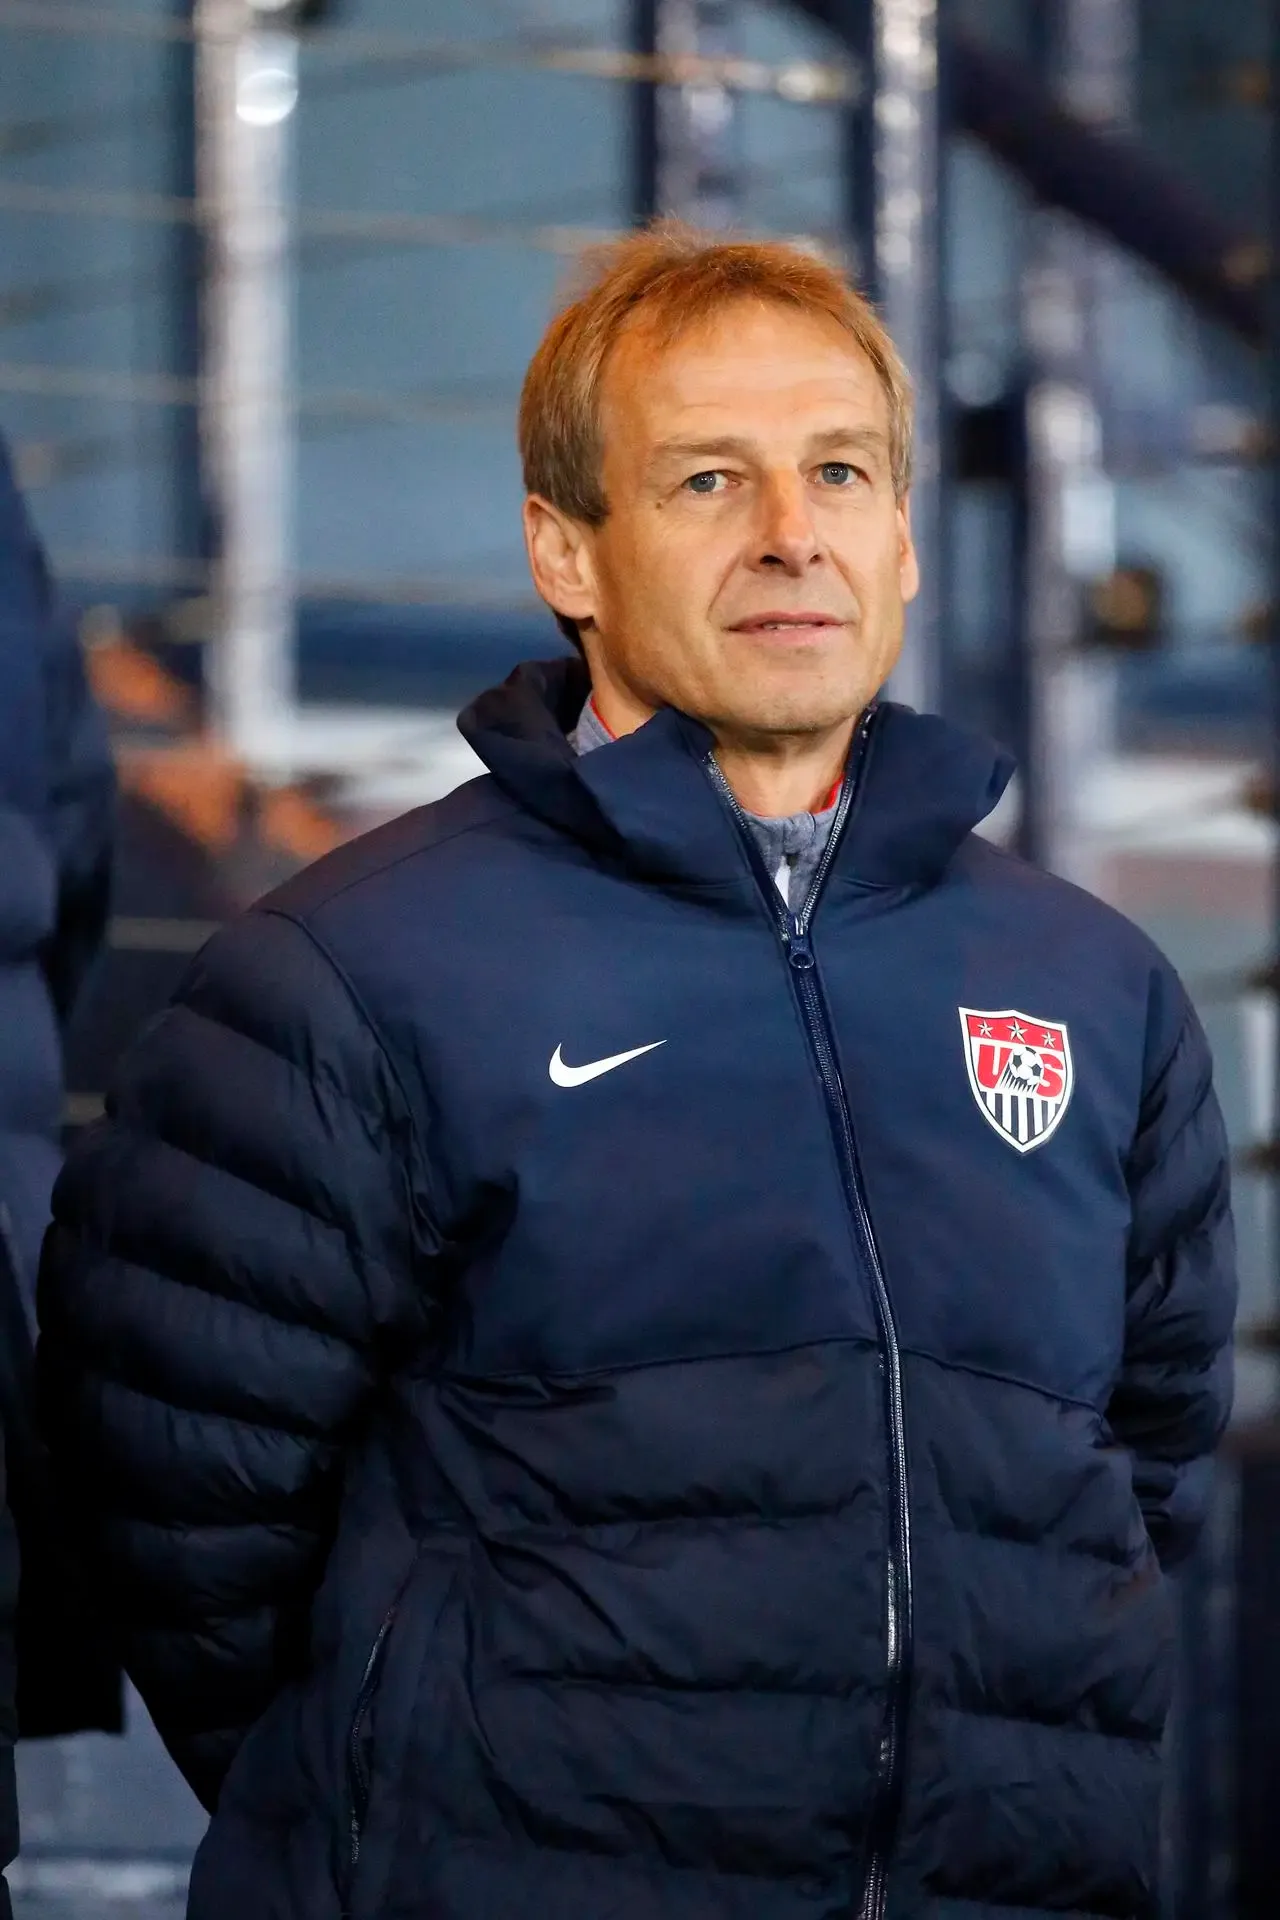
(56, 804)
(642, 1340)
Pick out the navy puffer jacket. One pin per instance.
(731, 1483)
(56, 795)
(57, 792)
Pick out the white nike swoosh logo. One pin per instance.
(578, 1076)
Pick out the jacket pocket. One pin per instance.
(381, 1713)
(359, 1764)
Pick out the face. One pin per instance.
(754, 566)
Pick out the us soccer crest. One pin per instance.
(1020, 1071)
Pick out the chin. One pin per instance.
(796, 713)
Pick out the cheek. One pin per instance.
(891, 573)
(620, 570)
(664, 567)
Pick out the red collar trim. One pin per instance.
(591, 702)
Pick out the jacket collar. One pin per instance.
(647, 802)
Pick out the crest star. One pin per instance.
(984, 1029)
(1016, 1032)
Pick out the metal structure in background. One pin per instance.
(1106, 179)
(191, 530)
(688, 158)
(1068, 717)
(247, 79)
(687, 164)
(1069, 695)
(903, 268)
(1109, 180)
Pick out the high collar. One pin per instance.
(924, 785)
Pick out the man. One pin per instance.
(641, 1338)
(56, 790)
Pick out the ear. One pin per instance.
(560, 559)
(908, 565)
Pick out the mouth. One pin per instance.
(798, 625)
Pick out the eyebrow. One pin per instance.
(672, 452)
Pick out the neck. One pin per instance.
(782, 774)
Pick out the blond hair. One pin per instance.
(668, 278)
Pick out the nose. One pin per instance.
(787, 536)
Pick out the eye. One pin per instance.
(839, 473)
(704, 482)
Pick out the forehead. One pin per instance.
(748, 362)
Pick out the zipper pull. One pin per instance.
(799, 947)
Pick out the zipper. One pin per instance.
(794, 930)
(358, 1776)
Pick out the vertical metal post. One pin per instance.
(688, 161)
(248, 88)
(1070, 536)
(907, 283)
(1089, 50)
(189, 531)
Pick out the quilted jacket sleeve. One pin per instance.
(230, 1264)
(1174, 1395)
